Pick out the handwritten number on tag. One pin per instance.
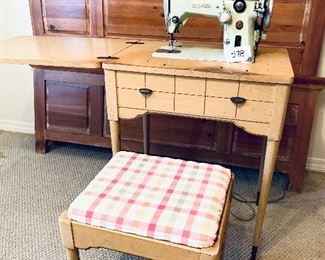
(238, 53)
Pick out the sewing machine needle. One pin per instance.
(171, 41)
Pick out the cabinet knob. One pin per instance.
(51, 27)
(238, 100)
(145, 91)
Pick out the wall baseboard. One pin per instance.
(17, 126)
(316, 164)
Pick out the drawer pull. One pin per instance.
(238, 100)
(145, 91)
(51, 27)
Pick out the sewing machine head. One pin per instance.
(244, 23)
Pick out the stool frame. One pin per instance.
(76, 235)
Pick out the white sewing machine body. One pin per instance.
(244, 23)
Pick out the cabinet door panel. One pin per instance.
(67, 17)
(67, 107)
(70, 16)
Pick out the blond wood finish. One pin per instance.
(255, 111)
(222, 88)
(160, 102)
(130, 98)
(72, 52)
(72, 254)
(256, 117)
(251, 127)
(266, 182)
(272, 65)
(129, 80)
(190, 86)
(279, 112)
(111, 95)
(66, 231)
(219, 107)
(209, 86)
(86, 236)
(188, 104)
(161, 83)
(115, 136)
(67, 237)
(259, 92)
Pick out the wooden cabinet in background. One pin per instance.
(67, 17)
(69, 105)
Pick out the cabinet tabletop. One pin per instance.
(272, 64)
(73, 52)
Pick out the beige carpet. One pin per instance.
(34, 189)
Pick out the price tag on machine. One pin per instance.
(238, 54)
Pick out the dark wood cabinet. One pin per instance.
(70, 104)
(69, 107)
(67, 17)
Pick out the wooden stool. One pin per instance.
(150, 206)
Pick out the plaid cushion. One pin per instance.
(157, 197)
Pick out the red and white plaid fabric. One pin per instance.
(157, 197)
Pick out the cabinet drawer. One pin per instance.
(129, 80)
(255, 111)
(258, 92)
(160, 83)
(130, 98)
(189, 104)
(222, 88)
(190, 86)
(219, 107)
(160, 101)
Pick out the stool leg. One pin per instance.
(72, 254)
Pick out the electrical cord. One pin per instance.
(242, 199)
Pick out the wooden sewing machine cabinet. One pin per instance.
(252, 96)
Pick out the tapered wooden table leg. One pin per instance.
(72, 254)
(115, 135)
(266, 182)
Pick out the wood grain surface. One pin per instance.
(72, 52)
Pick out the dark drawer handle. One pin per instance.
(238, 100)
(52, 27)
(145, 91)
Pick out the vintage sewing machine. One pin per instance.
(244, 23)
